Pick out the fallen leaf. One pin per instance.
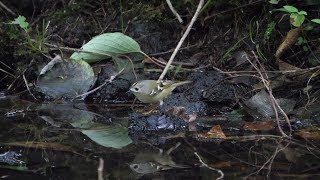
(260, 106)
(221, 164)
(65, 79)
(310, 133)
(215, 133)
(259, 125)
(283, 66)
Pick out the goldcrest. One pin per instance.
(149, 91)
(150, 162)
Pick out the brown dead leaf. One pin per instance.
(283, 66)
(288, 41)
(259, 125)
(215, 133)
(221, 164)
(310, 133)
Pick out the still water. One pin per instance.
(67, 141)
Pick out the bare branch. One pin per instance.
(7, 9)
(207, 166)
(100, 169)
(103, 84)
(174, 11)
(194, 18)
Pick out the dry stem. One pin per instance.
(194, 18)
(7, 9)
(100, 169)
(174, 11)
(207, 166)
(275, 104)
(26, 83)
(103, 84)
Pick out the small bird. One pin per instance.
(151, 162)
(150, 91)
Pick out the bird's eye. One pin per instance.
(135, 166)
(136, 89)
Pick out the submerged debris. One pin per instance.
(10, 157)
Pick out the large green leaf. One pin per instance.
(106, 134)
(21, 21)
(109, 135)
(290, 9)
(106, 45)
(66, 79)
(297, 19)
(316, 21)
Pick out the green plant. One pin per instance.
(21, 21)
(36, 44)
(317, 20)
(301, 41)
(297, 17)
(274, 1)
(270, 28)
(177, 70)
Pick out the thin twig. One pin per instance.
(26, 83)
(271, 159)
(100, 169)
(7, 9)
(132, 65)
(153, 61)
(183, 64)
(281, 72)
(275, 104)
(274, 99)
(306, 89)
(207, 166)
(170, 51)
(194, 18)
(266, 83)
(174, 11)
(6, 65)
(7, 73)
(103, 84)
(29, 65)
